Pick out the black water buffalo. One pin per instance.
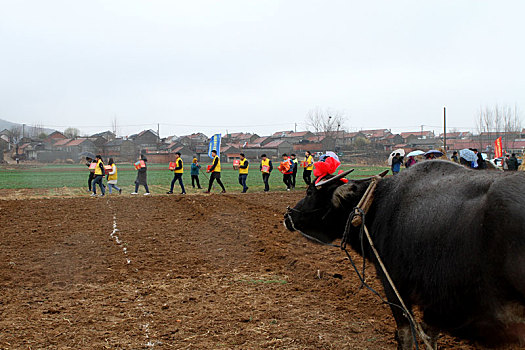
(452, 239)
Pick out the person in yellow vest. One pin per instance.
(112, 177)
(99, 176)
(266, 168)
(215, 171)
(307, 173)
(177, 174)
(243, 172)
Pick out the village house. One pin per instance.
(240, 137)
(375, 135)
(77, 146)
(263, 140)
(121, 150)
(411, 136)
(315, 144)
(281, 134)
(107, 135)
(146, 140)
(230, 153)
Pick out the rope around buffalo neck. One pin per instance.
(415, 326)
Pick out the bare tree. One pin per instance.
(326, 122)
(71, 133)
(497, 121)
(14, 134)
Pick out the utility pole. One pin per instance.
(158, 136)
(23, 130)
(295, 127)
(445, 128)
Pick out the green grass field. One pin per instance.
(159, 177)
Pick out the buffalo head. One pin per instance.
(323, 213)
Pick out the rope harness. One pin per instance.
(357, 219)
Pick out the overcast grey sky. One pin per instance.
(257, 66)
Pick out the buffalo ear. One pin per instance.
(343, 194)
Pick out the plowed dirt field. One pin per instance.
(193, 272)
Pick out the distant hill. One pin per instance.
(29, 130)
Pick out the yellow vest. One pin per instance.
(218, 167)
(265, 163)
(98, 171)
(179, 163)
(113, 176)
(241, 170)
(310, 162)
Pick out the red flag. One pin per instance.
(498, 149)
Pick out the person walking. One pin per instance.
(505, 162)
(194, 172)
(215, 171)
(91, 176)
(286, 168)
(481, 162)
(309, 166)
(454, 157)
(512, 162)
(243, 172)
(396, 163)
(177, 174)
(112, 177)
(99, 176)
(266, 168)
(295, 166)
(142, 176)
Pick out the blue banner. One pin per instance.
(215, 144)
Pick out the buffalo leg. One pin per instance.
(405, 340)
(432, 333)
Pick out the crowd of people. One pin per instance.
(288, 167)
(509, 163)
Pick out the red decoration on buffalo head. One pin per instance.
(327, 167)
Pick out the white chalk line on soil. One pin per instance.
(117, 240)
(115, 236)
(146, 326)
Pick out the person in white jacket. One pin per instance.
(112, 177)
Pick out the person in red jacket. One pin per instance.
(287, 170)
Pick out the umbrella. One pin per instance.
(435, 152)
(328, 154)
(400, 151)
(468, 155)
(86, 154)
(415, 153)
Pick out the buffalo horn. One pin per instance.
(333, 179)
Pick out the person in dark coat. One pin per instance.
(397, 161)
(481, 162)
(91, 172)
(142, 177)
(512, 162)
(454, 157)
(295, 162)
